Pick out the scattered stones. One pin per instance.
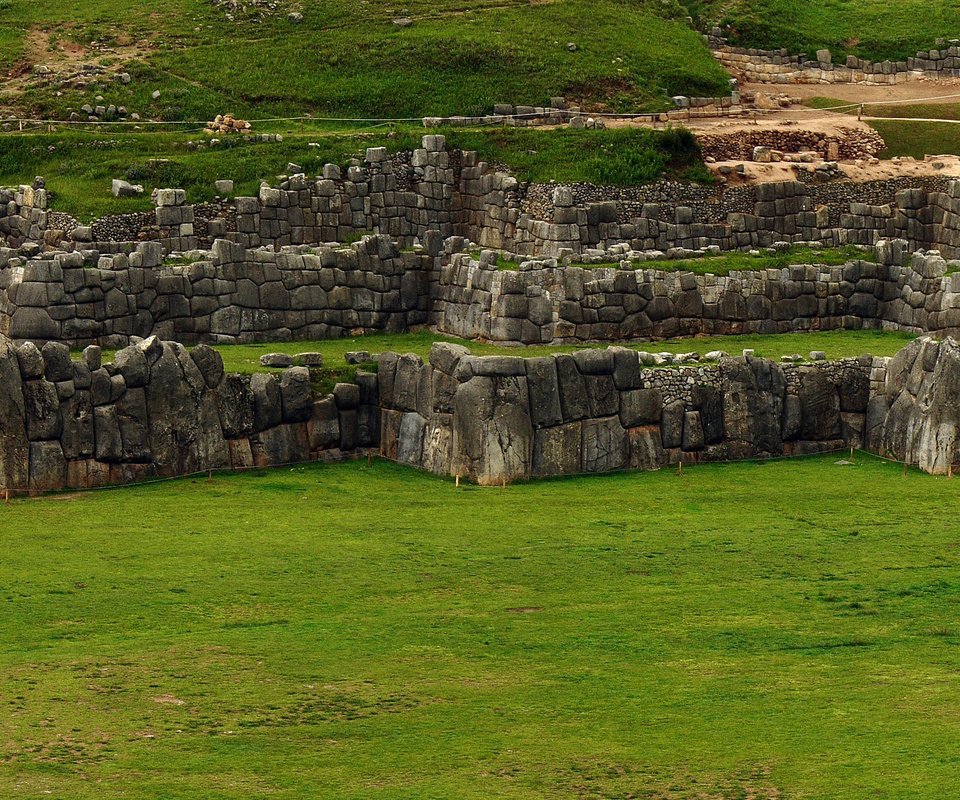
(122, 188)
(276, 360)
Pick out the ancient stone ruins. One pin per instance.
(589, 266)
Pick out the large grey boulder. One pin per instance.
(56, 360)
(492, 429)
(922, 424)
(267, 410)
(753, 392)
(820, 404)
(185, 432)
(210, 364)
(296, 397)
(14, 446)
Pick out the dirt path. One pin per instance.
(862, 93)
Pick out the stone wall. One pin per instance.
(23, 215)
(544, 302)
(788, 211)
(429, 190)
(232, 295)
(239, 295)
(158, 411)
(778, 66)
(497, 419)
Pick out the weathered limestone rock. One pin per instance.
(492, 429)
(753, 391)
(923, 420)
(185, 432)
(14, 445)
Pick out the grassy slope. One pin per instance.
(787, 629)
(347, 57)
(875, 29)
(79, 166)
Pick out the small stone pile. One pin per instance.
(226, 124)
(849, 143)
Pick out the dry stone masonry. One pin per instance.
(502, 418)
(779, 66)
(158, 410)
(592, 268)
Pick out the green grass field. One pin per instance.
(79, 167)
(347, 58)
(874, 29)
(785, 629)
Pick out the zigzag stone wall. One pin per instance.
(234, 295)
(159, 410)
(429, 190)
(240, 295)
(496, 418)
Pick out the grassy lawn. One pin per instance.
(348, 58)
(786, 629)
(79, 167)
(918, 139)
(836, 344)
(874, 29)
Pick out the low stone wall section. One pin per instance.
(779, 66)
(406, 197)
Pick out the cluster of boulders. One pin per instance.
(226, 124)
(249, 10)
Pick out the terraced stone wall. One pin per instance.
(232, 295)
(781, 67)
(544, 302)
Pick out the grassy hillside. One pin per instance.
(348, 58)
(743, 631)
(875, 29)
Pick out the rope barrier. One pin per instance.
(493, 119)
